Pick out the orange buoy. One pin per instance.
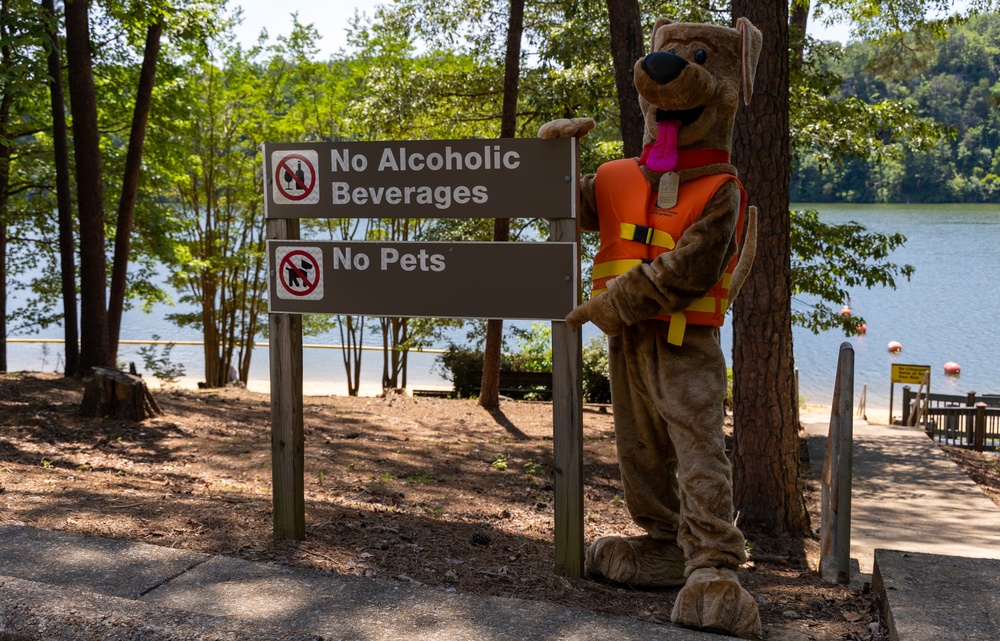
(862, 328)
(845, 310)
(952, 368)
(895, 347)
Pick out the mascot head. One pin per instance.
(689, 85)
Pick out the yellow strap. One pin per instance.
(614, 267)
(727, 279)
(653, 236)
(675, 332)
(706, 305)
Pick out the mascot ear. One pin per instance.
(660, 22)
(751, 52)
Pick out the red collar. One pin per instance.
(690, 158)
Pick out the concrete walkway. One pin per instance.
(908, 495)
(922, 531)
(58, 586)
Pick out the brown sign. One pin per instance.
(485, 178)
(531, 281)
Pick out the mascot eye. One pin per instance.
(700, 56)
(671, 50)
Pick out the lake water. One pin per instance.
(946, 312)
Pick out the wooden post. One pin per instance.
(287, 441)
(835, 512)
(980, 426)
(567, 419)
(906, 405)
(845, 467)
(920, 405)
(892, 388)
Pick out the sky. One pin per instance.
(332, 17)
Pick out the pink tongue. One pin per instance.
(663, 156)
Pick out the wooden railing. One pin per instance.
(971, 421)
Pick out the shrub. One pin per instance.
(463, 367)
(596, 381)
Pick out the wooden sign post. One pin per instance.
(506, 178)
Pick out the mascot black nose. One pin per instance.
(663, 67)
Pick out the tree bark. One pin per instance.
(5, 107)
(130, 186)
(64, 205)
(626, 48)
(767, 486)
(110, 393)
(3, 295)
(90, 189)
(489, 393)
(797, 25)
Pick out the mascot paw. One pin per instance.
(713, 599)
(601, 311)
(566, 128)
(640, 561)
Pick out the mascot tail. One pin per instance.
(747, 253)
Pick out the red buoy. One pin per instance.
(845, 310)
(952, 368)
(895, 347)
(862, 328)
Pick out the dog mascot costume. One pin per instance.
(667, 268)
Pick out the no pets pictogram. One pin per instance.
(300, 273)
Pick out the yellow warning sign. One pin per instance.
(909, 374)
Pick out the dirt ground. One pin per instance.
(427, 491)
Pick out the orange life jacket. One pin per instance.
(634, 231)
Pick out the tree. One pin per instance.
(627, 46)
(60, 149)
(489, 392)
(767, 487)
(89, 189)
(216, 236)
(130, 186)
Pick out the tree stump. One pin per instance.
(113, 394)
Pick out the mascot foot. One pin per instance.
(713, 599)
(640, 561)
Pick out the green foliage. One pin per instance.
(926, 131)
(499, 463)
(828, 260)
(596, 376)
(534, 348)
(463, 366)
(158, 362)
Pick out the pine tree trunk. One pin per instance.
(3, 296)
(489, 394)
(130, 187)
(4, 190)
(767, 485)
(797, 26)
(90, 190)
(626, 48)
(64, 205)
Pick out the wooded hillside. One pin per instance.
(955, 81)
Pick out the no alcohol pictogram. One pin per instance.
(293, 177)
(299, 273)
